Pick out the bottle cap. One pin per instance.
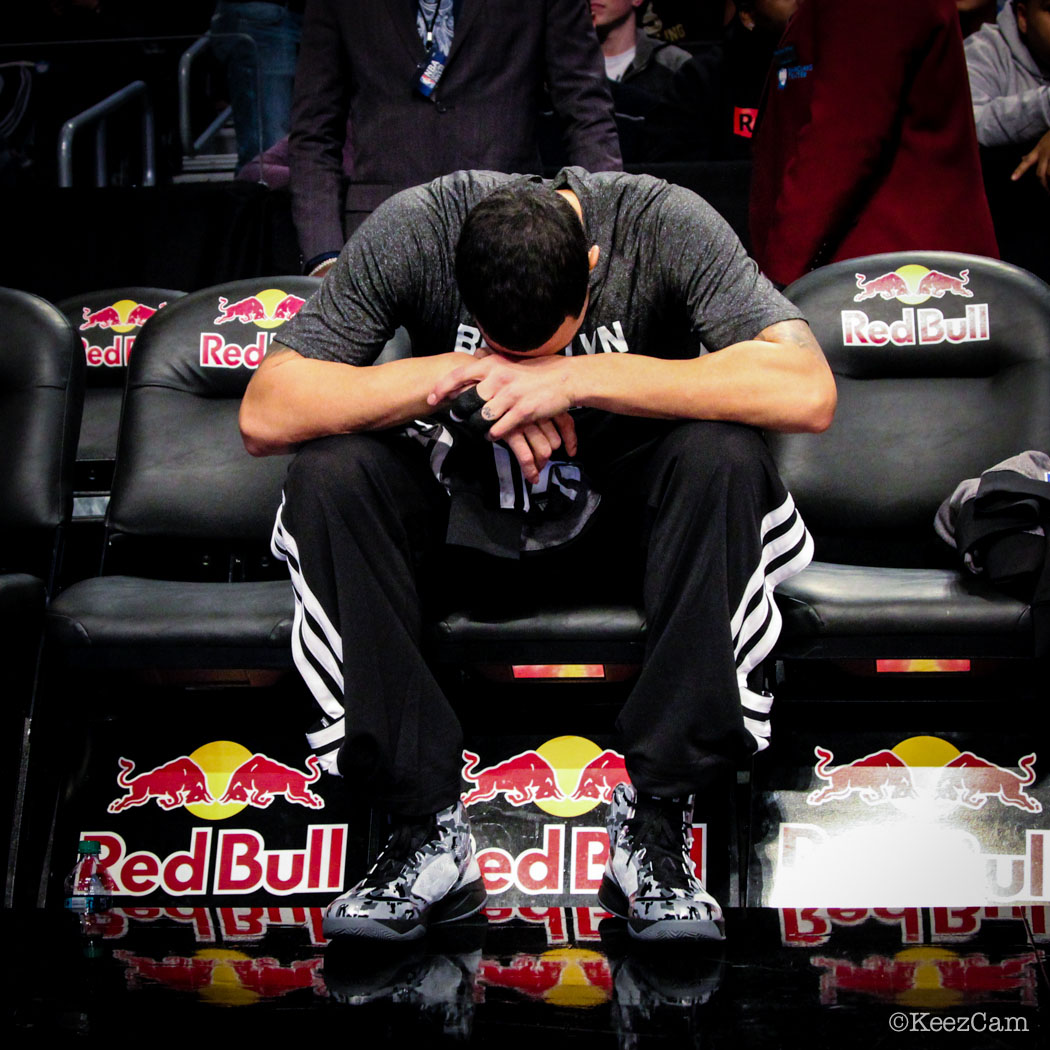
(90, 846)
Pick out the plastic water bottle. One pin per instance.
(89, 887)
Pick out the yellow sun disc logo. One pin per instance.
(218, 760)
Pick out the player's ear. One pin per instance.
(592, 256)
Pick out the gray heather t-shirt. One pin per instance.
(672, 281)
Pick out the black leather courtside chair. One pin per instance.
(187, 578)
(41, 395)
(108, 323)
(943, 369)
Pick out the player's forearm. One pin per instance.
(292, 399)
(755, 382)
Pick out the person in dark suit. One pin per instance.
(361, 74)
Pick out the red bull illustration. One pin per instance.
(932, 977)
(878, 777)
(218, 780)
(287, 307)
(957, 779)
(887, 285)
(244, 310)
(173, 971)
(171, 784)
(270, 305)
(570, 977)
(936, 284)
(141, 314)
(106, 317)
(971, 781)
(224, 976)
(912, 284)
(261, 778)
(598, 779)
(565, 776)
(521, 779)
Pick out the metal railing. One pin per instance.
(99, 114)
(192, 146)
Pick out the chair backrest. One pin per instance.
(943, 369)
(41, 396)
(108, 323)
(188, 502)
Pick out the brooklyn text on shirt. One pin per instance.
(608, 339)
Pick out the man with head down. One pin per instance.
(593, 360)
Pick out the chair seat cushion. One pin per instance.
(846, 611)
(21, 597)
(135, 619)
(608, 633)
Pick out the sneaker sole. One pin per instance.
(676, 930)
(614, 900)
(460, 904)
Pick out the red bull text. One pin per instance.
(231, 861)
(216, 352)
(1007, 877)
(923, 327)
(563, 864)
(811, 927)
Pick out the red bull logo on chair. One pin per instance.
(122, 318)
(267, 310)
(913, 285)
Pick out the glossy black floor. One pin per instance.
(549, 977)
(222, 969)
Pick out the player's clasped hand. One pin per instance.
(526, 405)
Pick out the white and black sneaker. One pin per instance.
(426, 874)
(650, 879)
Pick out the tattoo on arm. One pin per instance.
(796, 332)
(275, 349)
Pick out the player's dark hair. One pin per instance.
(521, 264)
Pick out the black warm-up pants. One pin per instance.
(693, 516)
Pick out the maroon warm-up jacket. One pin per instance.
(866, 140)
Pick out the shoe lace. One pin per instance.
(407, 838)
(657, 828)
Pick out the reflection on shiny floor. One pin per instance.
(905, 977)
